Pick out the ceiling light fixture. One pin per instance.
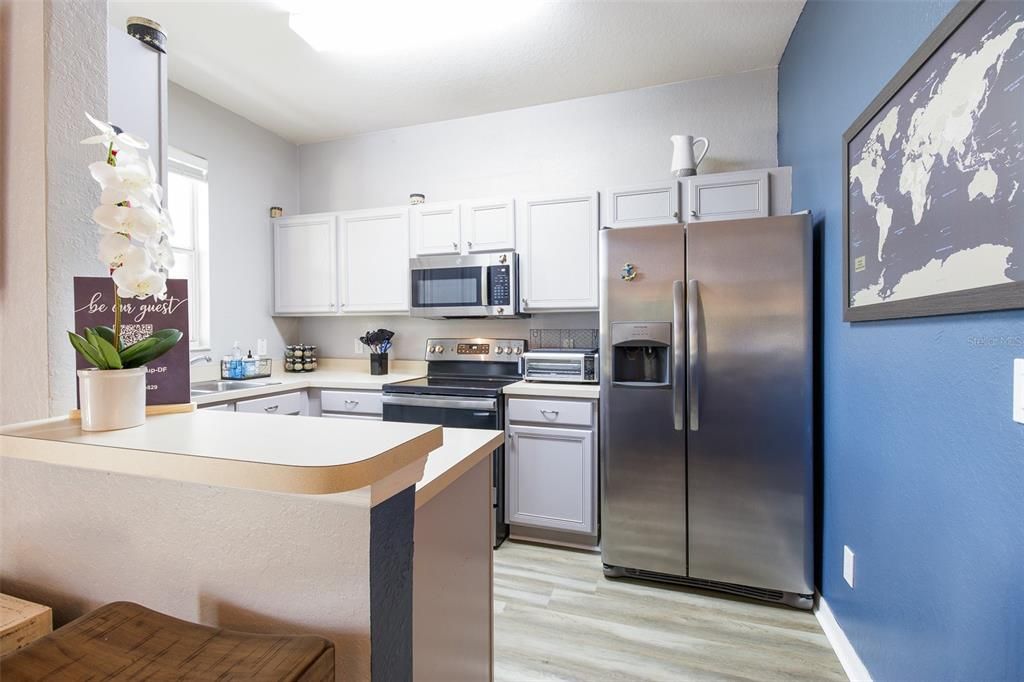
(378, 27)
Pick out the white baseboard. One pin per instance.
(848, 658)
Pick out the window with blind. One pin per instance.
(188, 202)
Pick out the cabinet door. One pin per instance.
(437, 229)
(489, 225)
(373, 250)
(654, 204)
(557, 238)
(726, 196)
(552, 478)
(306, 264)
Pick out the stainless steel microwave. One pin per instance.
(480, 285)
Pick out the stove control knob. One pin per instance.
(519, 351)
(499, 350)
(508, 350)
(438, 349)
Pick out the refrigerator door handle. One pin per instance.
(678, 353)
(693, 332)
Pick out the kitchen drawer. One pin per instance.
(284, 403)
(346, 415)
(560, 412)
(223, 407)
(351, 402)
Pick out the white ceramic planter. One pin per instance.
(112, 399)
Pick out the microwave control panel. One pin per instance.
(499, 285)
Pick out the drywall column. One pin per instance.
(76, 82)
(24, 390)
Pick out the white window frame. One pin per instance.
(195, 168)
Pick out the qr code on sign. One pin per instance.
(133, 333)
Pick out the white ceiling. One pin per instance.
(243, 56)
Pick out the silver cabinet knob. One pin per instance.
(469, 245)
(455, 246)
(693, 214)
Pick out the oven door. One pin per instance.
(465, 413)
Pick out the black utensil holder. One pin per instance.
(378, 364)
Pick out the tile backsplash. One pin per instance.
(563, 338)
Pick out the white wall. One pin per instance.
(250, 170)
(76, 82)
(24, 384)
(583, 144)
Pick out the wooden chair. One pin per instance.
(123, 640)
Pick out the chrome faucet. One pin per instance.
(200, 358)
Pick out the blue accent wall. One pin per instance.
(923, 466)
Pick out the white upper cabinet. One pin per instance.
(489, 225)
(373, 247)
(726, 196)
(557, 240)
(437, 228)
(306, 264)
(653, 204)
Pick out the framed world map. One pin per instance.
(933, 203)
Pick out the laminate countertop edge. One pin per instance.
(463, 449)
(286, 457)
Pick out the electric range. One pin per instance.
(463, 389)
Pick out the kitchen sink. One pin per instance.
(208, 387)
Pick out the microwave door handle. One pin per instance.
(485, 272)
(678, 354)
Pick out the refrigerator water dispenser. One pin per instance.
(640, 355)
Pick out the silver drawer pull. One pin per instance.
(351, 402)
(547, 412)
(272, 408)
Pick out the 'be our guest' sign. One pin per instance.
(167, 377)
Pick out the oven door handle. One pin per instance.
(486, 404)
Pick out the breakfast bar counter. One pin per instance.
(262, 524)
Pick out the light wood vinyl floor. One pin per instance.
(556, 617)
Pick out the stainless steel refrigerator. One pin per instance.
(707, 406)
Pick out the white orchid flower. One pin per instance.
(137, 278)
(109, 136)
(161, 252)
(136, 221)
(115, 249)
(134, 182)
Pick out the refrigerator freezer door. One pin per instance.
(750, 448)
(643, 455)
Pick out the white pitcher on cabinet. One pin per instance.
(683, 161)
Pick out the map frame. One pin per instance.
(1005, 296)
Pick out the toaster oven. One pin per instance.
(566, 365)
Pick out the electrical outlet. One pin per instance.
(1018, 390)
(359, 347)
(848, 565)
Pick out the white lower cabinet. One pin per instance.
(223, 407)
(552, 470)
(351, 404)
(291, 404)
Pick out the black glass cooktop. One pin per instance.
(449, 385)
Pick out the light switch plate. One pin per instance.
(848, 565)
(1018, 390)
(359, 347)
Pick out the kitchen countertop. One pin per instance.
(552, 390)
(293, 455)
(333, 373)
(462, 450)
